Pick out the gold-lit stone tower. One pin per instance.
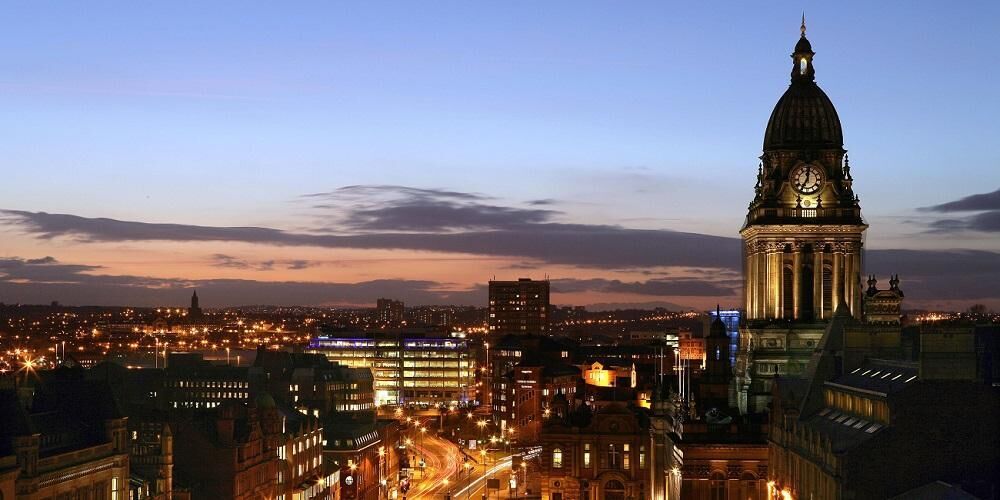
(802, 239)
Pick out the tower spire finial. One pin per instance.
(802, 29)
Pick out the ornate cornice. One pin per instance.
(789, 231)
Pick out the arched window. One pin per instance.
(717, 486)
(748, 486)
(803, 66)
(557, 458)
(614, 490)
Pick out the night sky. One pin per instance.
(333, 154)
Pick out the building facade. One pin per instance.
(389, 312)
(69, 440)
(408, 368)
(151, 459)
(314, 385)
(520, 306)
(604, 455)
(222, 453)
(191, 382)
(297, 439)
(507, 355)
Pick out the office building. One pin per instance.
(408, 367)
(520, 306)
(312, 384)
(389, 312)
(510, 353)
(191, 382)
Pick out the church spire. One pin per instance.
(802, 28)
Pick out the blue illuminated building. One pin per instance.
(730, 318)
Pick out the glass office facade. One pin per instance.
(408, 369)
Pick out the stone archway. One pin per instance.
(613, 490)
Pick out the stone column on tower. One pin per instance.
(855, 280)
(796, 305)
(774, 279)
(838, 276)
(818, 281)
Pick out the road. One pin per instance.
(473, 488)
(445, 473)
(443, 461)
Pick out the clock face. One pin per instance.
(349, 480)
(807, 179)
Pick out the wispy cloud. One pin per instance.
(223, 260)
(367, 208)
(987, 220)
(463, 223)
(46, 279)
(597, 246)
(973, 203)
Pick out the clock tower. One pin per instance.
(803, 235)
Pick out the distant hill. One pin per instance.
(612, 306)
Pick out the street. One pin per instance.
(446, 472)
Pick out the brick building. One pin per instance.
(222, 453)
(602, 455)
(69, 439)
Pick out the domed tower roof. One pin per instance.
(264, 400)
(804, 117)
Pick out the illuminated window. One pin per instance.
(803, 66)
(557, 458)
(625, 457)
(642, 457)
(717, 486)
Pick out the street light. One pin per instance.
(524, 469)
(423, 430)
(482, 425)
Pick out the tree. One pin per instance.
(977, 309)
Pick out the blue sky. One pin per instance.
(645, 115)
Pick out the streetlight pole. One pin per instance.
(422, 463)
